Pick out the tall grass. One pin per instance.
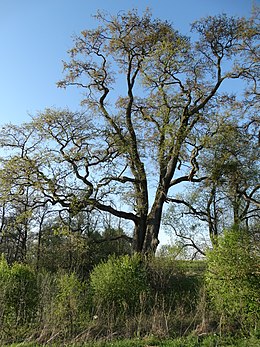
(164, 304)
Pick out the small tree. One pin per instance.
(233, 278)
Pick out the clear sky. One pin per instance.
(36, 34)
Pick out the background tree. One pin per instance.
(230, 194)
(19, 199)
(75, 245)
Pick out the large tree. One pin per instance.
(151, 95)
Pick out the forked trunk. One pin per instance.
(147, 231)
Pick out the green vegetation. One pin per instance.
(119, 282)
(83, 194)
(233, 281)
(152, 299)
(209, 341)
(19, 298)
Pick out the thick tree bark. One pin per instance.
(147, 228)
(139, 235)
(146, 233)
(151, 241)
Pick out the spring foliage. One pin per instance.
(119, 281)
(233, 279)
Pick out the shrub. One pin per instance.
(18, 300)
(4, 284)
(19, 293)
(119, 282)
(22, 295)
(232, 280)
(70, 309)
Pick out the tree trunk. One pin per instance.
(147, 230)
(139, 234)
(151, 241)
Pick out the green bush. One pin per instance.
(4, 285)
(232, 280)
(22, 296)
(19, 293)
(119, 282)
(18, 300)
(70, 304)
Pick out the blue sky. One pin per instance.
(36, 34)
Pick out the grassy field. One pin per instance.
(209, 341)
